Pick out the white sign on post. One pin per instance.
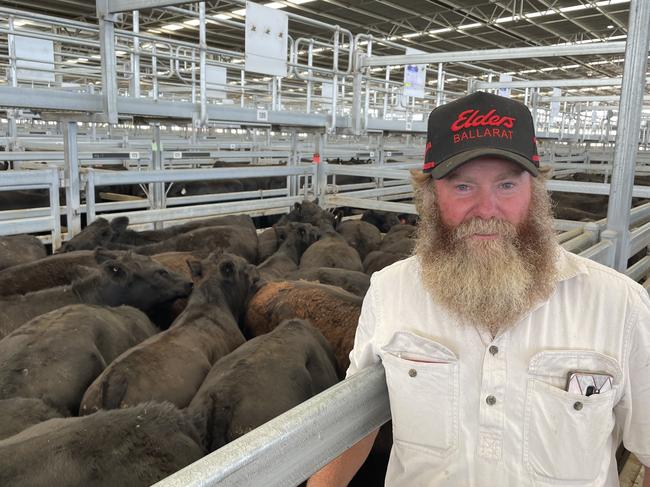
(415, 76)
(555, 105)
(267, 31)
(37, 54)
(504, 78)
(215, 81)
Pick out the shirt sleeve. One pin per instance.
(363, 354)
(633, 411)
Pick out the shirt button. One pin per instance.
(413, 373)
(493, 349)
(491, 400)
(577, 405)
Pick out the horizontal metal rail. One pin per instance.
(288, 449)
(602, 252)
(639, 270)
(18, 180)
(199, 211)
(105, 178)
(340, 200)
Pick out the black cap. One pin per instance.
(480, 125)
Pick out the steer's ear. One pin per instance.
(196, 268)
(102, 255)
(120, 223)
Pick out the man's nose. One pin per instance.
(486, 205)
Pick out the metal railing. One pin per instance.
(25, 180)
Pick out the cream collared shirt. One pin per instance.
(469, 410)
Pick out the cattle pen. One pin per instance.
(156, 115)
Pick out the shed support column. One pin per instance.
(157, 190)
(72, 199)
(109, 66)
(629, 125)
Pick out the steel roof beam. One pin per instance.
(498, 54)
(105, 7)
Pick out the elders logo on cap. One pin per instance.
(480, 125)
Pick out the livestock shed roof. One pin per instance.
(427, 25)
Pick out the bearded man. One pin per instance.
(508, 360)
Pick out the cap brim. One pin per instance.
(454, 162)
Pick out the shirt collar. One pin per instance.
(568, 265)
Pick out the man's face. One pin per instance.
(486, 243)
(485, 188)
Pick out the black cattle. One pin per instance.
(171, 366)
(309, 212)
(236, 239)
(361, 236)
(243, 221)
(383, 220)
(294, 239)
(267, 243)
(128, 447)
(331, 250)
(56, 356)
(31, 198)
(19, 413)
(20, 249)
(262, 379)
(354, 282)
(53, 270)
(101, 233)
(130, 279)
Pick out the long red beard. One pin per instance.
(488, 283)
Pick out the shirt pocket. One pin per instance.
(422, 380)
(566, 435)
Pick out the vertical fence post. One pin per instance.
(629, 126)
(72, 199)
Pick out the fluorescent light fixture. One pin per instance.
(469, 26)
(193, 22)
(222, 16)
(440, 31)
(610, 26)
(154, 31)
(300, 2)
(96, 56)
(412, 35)
(21, 22)
(173, 27)
(120, 53)
(275, 5)
(241, 12)
(82, 60)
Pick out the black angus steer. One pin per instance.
(52, 271)
(294, 239)
(19, 413)
(172, 365)
(56, 356)
(130, 279)
(332, 250)
(263, 378)
(20, 249)
(132, 447)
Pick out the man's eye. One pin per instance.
(462, 187)
(508, 185)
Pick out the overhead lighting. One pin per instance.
(82, 59)
(193, 22)
(300, 2)
(222, 16)
(21, 22)
(173, 27)
(610, 26)
(412, 35)
(469, 26)
(154, 31)
(241, 12)
(275, 5)
(561, 10)
(440, 31)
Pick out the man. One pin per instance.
(486, 330)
